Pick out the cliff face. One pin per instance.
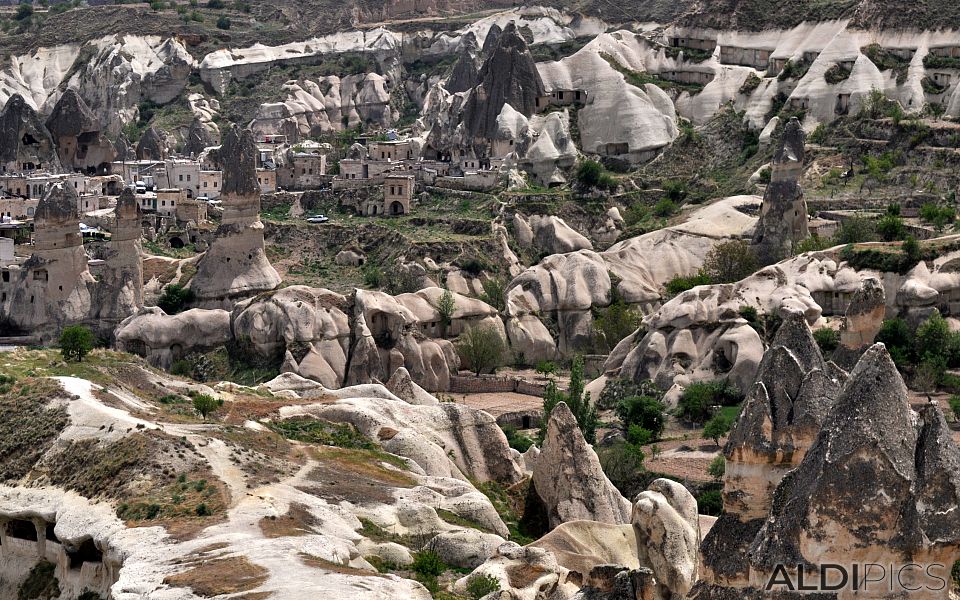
(24, 140)
(508, 76)
(77, 132)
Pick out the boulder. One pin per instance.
(404, 388)
(551, 234)
(568, 479)
(466, 548)
(667, 527)
(151, 146)
(524, 573)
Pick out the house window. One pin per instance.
(188, 177)
(214, 184)
(181, 178)
(163, 203)
(204, 184)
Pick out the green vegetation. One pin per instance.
(41, 583)
(446, 306)
(614, 322)
(886, 60)
(926, 353)
(938, 215)
(494, 292)
(175, 298)
(646, 412)
(932, 61)
(717, 427)
(856, 230)
(482, 348)
(828, 339)
(793, 70)
(642, 78)
(710, 502)
(592, 175)
(955, 406)
(836, 74)
(205, 404)
(76, 341)
(312, 431)
(698, 399)
(546, 368)
(479, 585)
(681, 284)
(730, 261)
(577, 401)
(718, 467)
(517, 440)
(751, 83)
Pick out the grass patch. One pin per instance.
(641, 78)
(366, 463)
(28, 425)
(298, 521)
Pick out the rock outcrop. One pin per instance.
(236, 264)
(163, 339)
(120, 285)
(861, 322)
(465, 73)
(667, 527)
(151, 146)
(794, 392)
(568, 479)
(25, 143)
(198, 138)
(81, 145)
(508, 76)
(783, 214)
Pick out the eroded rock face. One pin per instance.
(465, 71)
(198, 138)
(667, 527)
(508, 76)
(879, 484)
(151, 146)
(523, 572)
(568, 479)
(162, 338)
(861, 322)
(783, 215)
(81, 144)
(24, 140)
(236, 264)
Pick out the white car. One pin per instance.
(317, 219)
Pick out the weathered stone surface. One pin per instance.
(667, 527)
(24, 139)
(862, 322)
(568, 479)
(579, 546)
(508, 76)
(783, 215)
(403, 386)
(151, 146)
(465, 71)
(467, 548)
(236, 264)
(198, 138)
(524, 573)
(77, 133)
(162, 338)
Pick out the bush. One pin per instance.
(717, 427)
(205, 404)
(546, 368)
(494, 293)
(665, 208)
(698, 399)
(215, 4)
(480, 585)
(891, 228)
(76, 341)
(372, 276)
(620, 389)
(639, 436)
(223, 22)
(730, 261)
(856, 230)
(41, 582)
(644, 411)
(482, 348)
(24, 12)
(836, 74)
(577, 401)
(591, 174)
(828, 339)
(955, 406)
(203, 510)
(516, 440)
(427, 563)
(175, 298)
(446, 306)
(937, 215)
(680, 284)
(614, 323)
(710, 503)
(717, 468)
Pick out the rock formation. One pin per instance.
(465, 72)
(508, 76)
(163, 339)
(781, 417)
(667, 527)
(120, 285)
(236, 264)
(198, 138)
(898, 509)
(568, 479)
(861, 322)
(25, 143)
(81, 144)
(151, 146)
(783, 214)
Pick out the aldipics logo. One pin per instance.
(867, 578)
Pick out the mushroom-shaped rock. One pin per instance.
(569, 480)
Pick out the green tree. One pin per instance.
(828, 339)
(856, 230)
(76, 341)
(591, 174)
(644, 411)
(482, 348)
(24, 12)
(717, 468)
(494, 292)
(205, 404)
(891, 228)
(933, 340)
(223, 22)
(730, 261)
(577, 401)
(717, 427)
(937, 215)
(446, 306)
(614, 322)
(175, 298)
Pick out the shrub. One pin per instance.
(814, 243)
(205, 404)
(577, 401)
(717, 468)
(647, 412)
(622, 463)
(937, 215)
(665, 208)
(697, 400)
(494, 293)
(620, 389)
(955, 406)
(896, 336)
(546, 368)
(516, 440)
(480, 585)
(856, 230)
(223, 22)
(891, 228)
(638, 436)
(933, 339)
(836, 74)
(681, 284)
(613, 323)
(717, 427)
(215, 4)
(710, 503)
(482, 348)
(203, 510)
(24, 12)
(76, 341)
(591, 174)
(372, 276)
(730, 261)
(427, 563)
(828, 339)
(175, 298)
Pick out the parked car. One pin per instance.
(317, 219)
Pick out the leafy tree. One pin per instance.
(697, 401)
(911, 251)
(717, 427)
(482, 348)
(828, 339)
(223, 22)
(546, 368)
(494, 293)
(639, 436)
(76, 341)
(856, 230)
(24, 12)
(205, 404)
(577, 401)
(933, 340)
(717, 468)
(891, 228)
(446, 306)
(730, 261)
(644, 411)
(937, 215)
(175, 298)
(613, 323)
